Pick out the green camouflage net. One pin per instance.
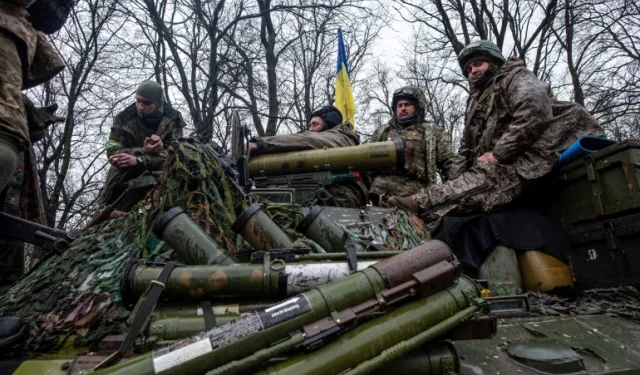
(77, 294)
(397, 231)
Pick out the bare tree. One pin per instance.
(70, 171)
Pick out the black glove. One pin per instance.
(39, 118)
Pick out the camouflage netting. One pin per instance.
(398, 231)
(76, 294)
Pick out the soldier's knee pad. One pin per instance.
(8, 160)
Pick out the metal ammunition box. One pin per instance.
(600, 184)
(603, 253)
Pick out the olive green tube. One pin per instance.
(368, 341)
(260, 231)
(169, 328)
(188, 240)
(438, 359)
(275, 279)
(360, 255)
(367, 157)
(195, 309)
(323, 230)
(248, 334)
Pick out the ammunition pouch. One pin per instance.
(49, 16)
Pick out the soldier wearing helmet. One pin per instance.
(514, 131)
(325, 129)
(427, 148)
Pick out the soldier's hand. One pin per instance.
(153, 144)
(251, 146)
(488, 157)
(123, 160)
(403, 202)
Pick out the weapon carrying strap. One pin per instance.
(209, 316)
(141, 314)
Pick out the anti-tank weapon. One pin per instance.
(305, 173)
(249, 340)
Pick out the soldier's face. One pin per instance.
(316, 124)
(405, 108)
(476, 69)
(144, 106)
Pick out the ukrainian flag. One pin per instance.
(344, 94)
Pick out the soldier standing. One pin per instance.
(427, 148)
(27, 60)
(325, 130)
(139, 139)
(514, 131)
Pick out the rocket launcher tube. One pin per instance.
(260, 231)
(250, 333)
(438, 359)
(426, 318)
(271, 279)
(169, 328)
(367, 157)
(188, 240)
(323, 230)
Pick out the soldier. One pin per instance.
(325, 130)
(27, 59)
(139, 137)
(514, 131)
(427, 148)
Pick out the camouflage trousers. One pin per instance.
(483, 188)
(13, 119)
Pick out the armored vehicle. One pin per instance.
(205, 276)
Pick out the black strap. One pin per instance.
(141, 314)
(209, 317)
(350, 247)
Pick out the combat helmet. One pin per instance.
(480, 50)
(416, 96)
(331, 116)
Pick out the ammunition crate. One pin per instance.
(605, 254)
(601, 184)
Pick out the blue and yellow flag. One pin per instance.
(344, 94)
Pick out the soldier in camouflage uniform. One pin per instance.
(139, 139)
(27, 59)
(427, 148)
(325, 130)
(514, 131)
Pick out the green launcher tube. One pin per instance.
(250, 333)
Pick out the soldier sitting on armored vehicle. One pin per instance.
(325, 130)
(138, 142)
(514, 131)
(427, 148)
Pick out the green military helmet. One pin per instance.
(413, 94)
(480, 50)
(331, 116)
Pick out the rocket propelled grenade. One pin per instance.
(423, 270)
(367, 157)
(240, 281)
(188, 240)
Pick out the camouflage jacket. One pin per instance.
(339, 136)
(127, 136)
(427, 154)
(517, 119)
(40, 61)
